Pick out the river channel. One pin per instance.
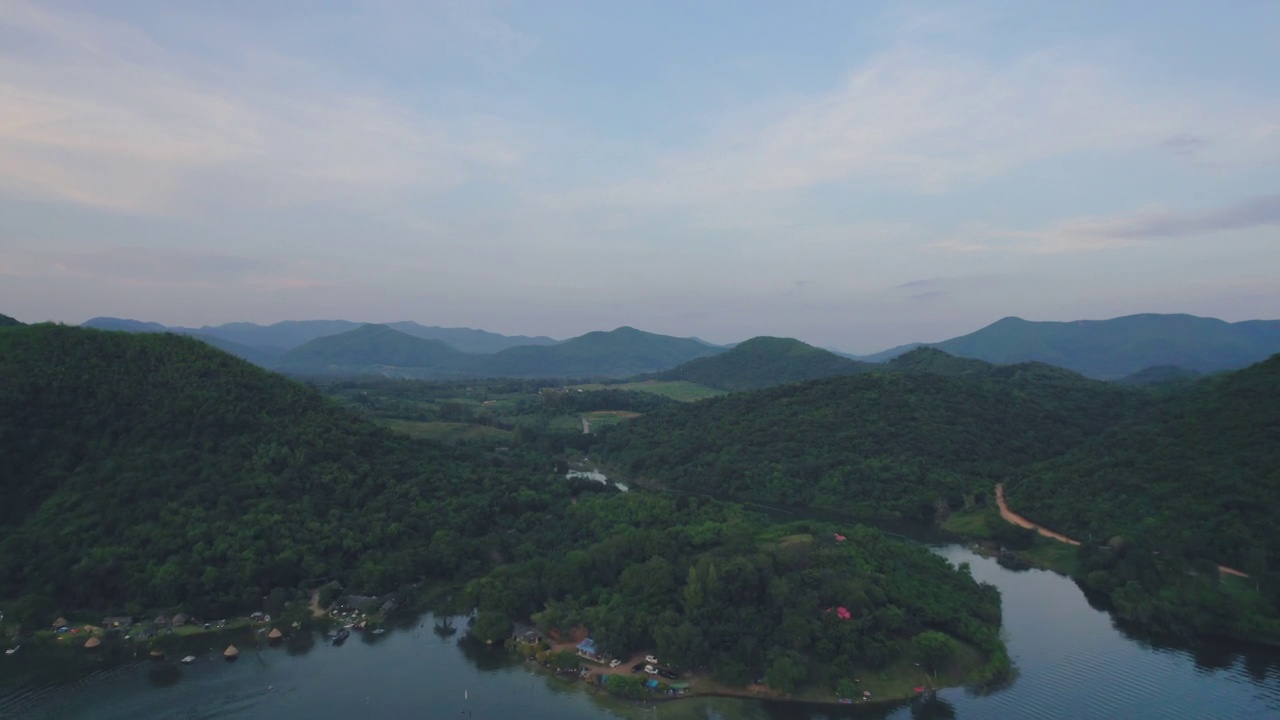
(1073, 663)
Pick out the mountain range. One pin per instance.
(1112, 349)
(381, 349)
(1117, 349)
(280, 337)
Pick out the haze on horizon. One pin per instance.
(856, 175)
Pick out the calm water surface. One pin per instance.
(1072, 663)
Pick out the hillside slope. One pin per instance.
(881, 444)
(154, 470)
(1200, 472)
(6, 321)
(764, 362)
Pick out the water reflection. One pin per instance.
(300, 642)
(163, 675)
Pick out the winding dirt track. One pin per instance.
(1016, 519)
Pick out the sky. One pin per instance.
(853, 174)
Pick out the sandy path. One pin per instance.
(1016, 519)
(316, 610)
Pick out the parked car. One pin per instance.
(651, 669)
(651, 659)
(615, 663)
(637, 667)
(667, 674)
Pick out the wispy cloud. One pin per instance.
(925, 122)
(1089, 234)
(94, 112)
(161, 268)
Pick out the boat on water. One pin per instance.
(379, 631)
(341, 637)
(188, 659)
(12, 650)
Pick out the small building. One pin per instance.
(526, 634)
(359, 603)
(161, 621)
(117, 623)
(180, 619)
(61, 622)
(587, 649)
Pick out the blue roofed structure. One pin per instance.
(587, 649)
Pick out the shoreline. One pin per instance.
(701, 685)
(1010, 516)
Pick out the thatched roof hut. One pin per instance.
(275, 634)
(60, 622)
(180, 619)
(231, 652)
(161, 621)
(93, 642)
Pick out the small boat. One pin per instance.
(188, 659)
(231, 653)
(157, 653)
(379, 631)
(341, 637)
(12, 650)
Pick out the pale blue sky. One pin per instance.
(853, 174)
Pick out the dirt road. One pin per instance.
(1016, 519)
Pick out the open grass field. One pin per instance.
(681, 390)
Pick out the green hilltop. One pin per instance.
(153, 469)
(366, 349)
(763, 362)
(6, 321)
(1196, 472)
(619, 353)
(883, 444)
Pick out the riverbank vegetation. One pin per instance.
(717, 590)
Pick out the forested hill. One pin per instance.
(6, 321)
(1112, 349)
(1199, 474)
(870, 444)
(622, 352)
(150, 470)
(365, 349)
(763, 362)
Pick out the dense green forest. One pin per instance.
(708, 586)
(885, 444)
(764, 362)
(152, 471)
(1195, 477)
(6, 321)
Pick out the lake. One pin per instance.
(1072, 661)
